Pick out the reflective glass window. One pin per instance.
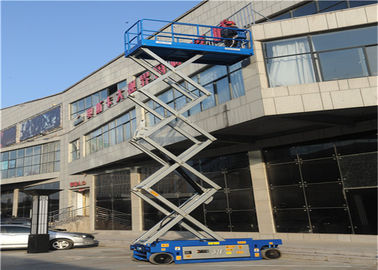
(336, 6)
(320, 170)
(316, 151)
(286, 15)
(359, 170)
(282, 154)
(209, 101)
(345, 39)
(239, 178)
(219, 202)
(283, 174)
(305, 10)
(237, 84)
(372, 59)
(358, 145)
(218, 221)
(357, 3)
(291, 220)
(287, 197)
(325, 195)
(363, 207)
(244, 221)
(223, 90)
(332, 220)
(343, 64)
(241, 199)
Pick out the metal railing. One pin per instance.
(67, 215)
(112, 219)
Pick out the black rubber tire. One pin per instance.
(271, 253)
(161, 258)
(61, 244)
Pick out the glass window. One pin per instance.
(88, 102)
(291, 220)
(4, 165)
(103, 94)
(356, 3)
(212, 74)
(209, 101)
(95, 98)
(241, 199)
(359, 170)
(371, 53)
(337, 6)
(237, 84)
(287, 197)
(345, 39)
(223, 90)
(121, 85)
(29, 151)
(239, 178)
(282, 154)
(333, 220)
(363, 208)
(12, 164)
(244, 221)
(290, 70)
(320, 170)
(286, 15)
(326, 4)
(80, 106)
(358, 145)
(305, 10)
(20, 153)
(218, 221)
(283, 174)
(12, 155)
(315, 151)
(343, 64)
(287, 47)
(325, 195)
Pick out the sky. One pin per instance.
(47, 46)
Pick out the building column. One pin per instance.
(92, 203)
(261, 193)
(15, 202)
(136, 202)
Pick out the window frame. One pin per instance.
(314, 55)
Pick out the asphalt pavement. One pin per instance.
(111, 258)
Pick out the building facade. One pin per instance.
(296, 129)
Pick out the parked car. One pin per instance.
(16, 236)
(16, 220)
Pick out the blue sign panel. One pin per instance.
(40, 124)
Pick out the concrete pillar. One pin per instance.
(136, 202)
(15, 202)
(261, 193)
(92, 203)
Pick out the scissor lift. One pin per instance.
(187, 43)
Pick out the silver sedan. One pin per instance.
(17, 236)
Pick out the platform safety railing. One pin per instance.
(165, 32)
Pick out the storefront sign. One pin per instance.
(142, 80)
(40, 124)
(8, 136)
(78, 183)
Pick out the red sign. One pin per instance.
(144, 79)
(78, 183)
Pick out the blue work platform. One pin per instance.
(176, 41)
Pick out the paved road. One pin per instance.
(117, 258)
